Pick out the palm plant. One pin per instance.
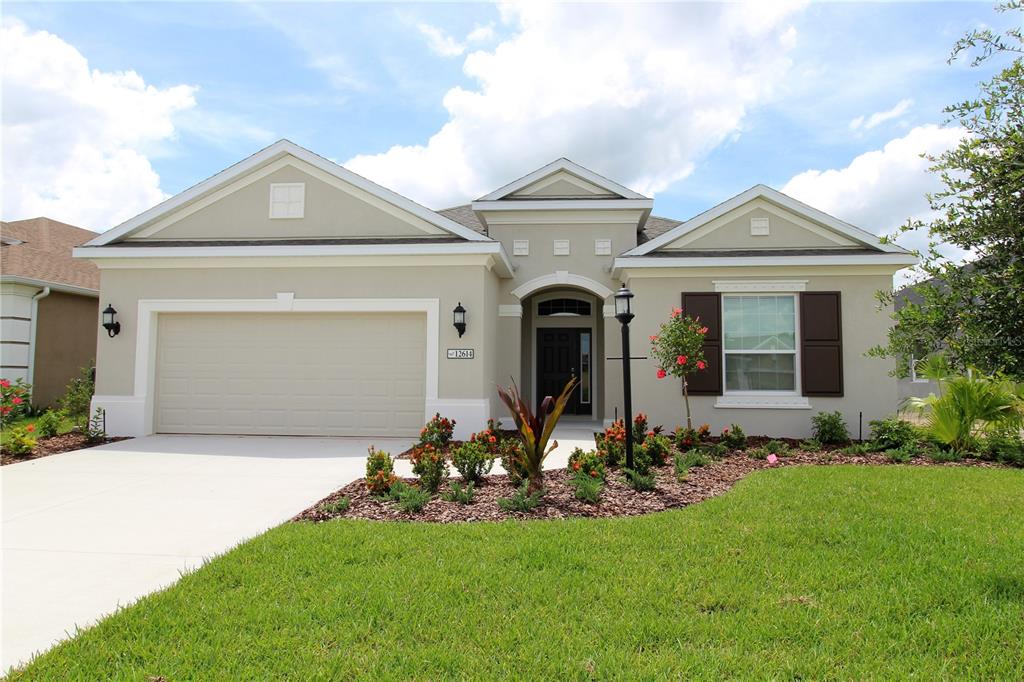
(969, 405)
(535, 429)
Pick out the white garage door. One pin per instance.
(291, 374)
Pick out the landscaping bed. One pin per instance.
(55, 445)
(617, 497)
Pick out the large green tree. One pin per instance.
(975, 313)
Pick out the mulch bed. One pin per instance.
(54, 445)
(617, 498)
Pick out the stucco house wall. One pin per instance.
(65, 343)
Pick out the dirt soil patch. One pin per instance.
(53, 445)
(617, 498)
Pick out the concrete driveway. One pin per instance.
(85, 532)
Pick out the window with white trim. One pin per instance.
(287, 199)
(760, 343)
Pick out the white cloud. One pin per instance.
(879, 190)
(637, 92)
(481, 34)
(75, 140)
(881, 116)
(440, 42)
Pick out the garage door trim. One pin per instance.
(148, 321)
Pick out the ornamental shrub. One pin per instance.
(678, 348)
(520, 500)
(587, 463)
(48, 425)
(429, 465)
(692, 459)
(459, 493)
(14, 400)
(78, 396)
(656, 447)
(438, 432)
(21, 440)
(638, 481)
(587, 488)
(413, 500)
(612, 443)
(901, 455)
(685, 438)
(1004, 446)
(473, 460)
(893, 432)
(380, 471)
(488, 439)
(830, 428)
(641, 430)
(734, 438)
(510, 451)
(339, 506)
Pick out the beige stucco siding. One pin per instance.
(330, 212)
(786, 231)
(867, 385)
(65, 343)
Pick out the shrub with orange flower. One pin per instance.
(438, 432)
(589, 463)
(380, 471)
(429, 464)
(611, 444)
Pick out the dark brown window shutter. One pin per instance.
(821, 343)
(708, 307)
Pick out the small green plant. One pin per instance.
(396, 490)
(714, 450)
(641, 460)
(858, 449)
(691, 459)
(1005, 447)
(463, 494)
(48, 425)
(638, 481)
(893, 432)
(656, 447)
(941, 455)
(338, 506)
(473, 461)
(900, 455)
(810, 445)
(521, 500)
(510, 451)
(734, 438)
(78, 396)
(685, 439)
(830, 428)
(21, 440)
(640, 430)
(380, 471)
(587, 463)
(437, 432)
(776, 447)
(413, 500)
(429, 465)
(587, 488)
(96, 431)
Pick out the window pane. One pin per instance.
(760, 372)
(759, 322)
(584, 367)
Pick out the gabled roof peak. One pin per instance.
(563, 165)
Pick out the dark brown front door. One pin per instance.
(558, 359)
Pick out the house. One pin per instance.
(288, 295)
(48, 305)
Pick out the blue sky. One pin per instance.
(443, 102)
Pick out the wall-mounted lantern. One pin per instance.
(112, 326)
(459, 317)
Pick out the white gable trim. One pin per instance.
(270, 154)
(775, 197)
(567, 166)
(559, 176)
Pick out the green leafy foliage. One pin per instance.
(587, 488)
(463, 494)
(810, 445)
(859, 449)
(678, 350)
(901, 454)
(638, 481)
(437, 432)
(685, 438)
(535, 429)
(612, 443)
(472, 460)
(521, 500)
(893, 432)
(380, 471)
(49, 423)
(21, 440)
(428, 463)
(641, 428)
(734, 438)
(691, 459)
(338, 506)
(413, 500)
(656, 448)
(510, 450)
(14, 400)
(77, 397)
(96, 430)
(830, 428)
(588, 463)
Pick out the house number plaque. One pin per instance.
(460, 353)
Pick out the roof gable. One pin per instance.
(796, 226)
(562, 179)
(379, 212)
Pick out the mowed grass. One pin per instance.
(827, 572)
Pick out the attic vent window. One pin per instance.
(520, 247)
(561, 247)
(602, 247)
(287, 199)
(563, 307)
(758, 227)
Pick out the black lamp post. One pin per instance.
(112, 326)
(459, 315)
(624, 314)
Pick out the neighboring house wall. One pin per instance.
(65, 343)
(868, 388)
(15, 330)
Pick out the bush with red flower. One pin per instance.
(678, 348)
(612, 443)
(589, 463)
(428, 462)
(656, 447)
(438, 432)
(640, 428)
(488, 439)
(14, 400)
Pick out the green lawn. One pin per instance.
(797, 573)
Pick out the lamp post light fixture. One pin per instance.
(459, 315)
(624, 314)
(112, 326)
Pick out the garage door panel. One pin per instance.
(299, 373)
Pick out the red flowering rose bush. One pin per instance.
(14, 399)
(438, 432)
(678, 348)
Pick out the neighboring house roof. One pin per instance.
(856, 234)
(38, 250)
(280, 149)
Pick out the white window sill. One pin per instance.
(763, 402)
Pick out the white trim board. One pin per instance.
(562, 277)
(39, 283)
(562, 165)
(900, 260)
(779, 199)
(760, 285)
(269, 154)
(148, 330)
